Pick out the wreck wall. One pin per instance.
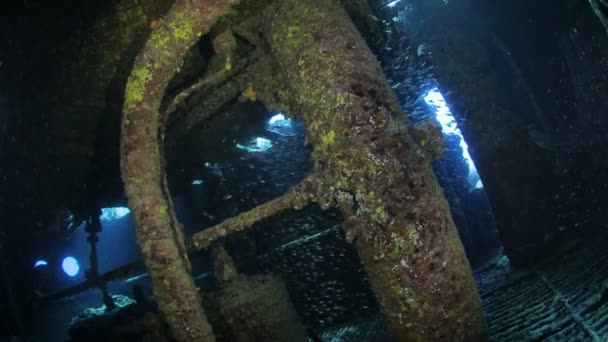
(525, 84)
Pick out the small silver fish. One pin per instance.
(423, 49)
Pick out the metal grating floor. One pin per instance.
(564, 299)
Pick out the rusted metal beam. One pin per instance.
(143, 170)
(377, 171)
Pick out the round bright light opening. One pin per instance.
(70, 266)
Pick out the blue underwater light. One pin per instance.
(109, 214)
(281, 125)
(70, 266)
(392, 3)
(278, 119)
(40, 263)
(446, 119)
(256, 145)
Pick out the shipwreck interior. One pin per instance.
(304, 170)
